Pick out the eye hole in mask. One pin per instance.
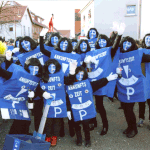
(83, 46)
(126, 45)
(63, 45)
(79, 75)
(34, 70)
(26, 45)
(54, 40)
(51, 68)
(92, 34)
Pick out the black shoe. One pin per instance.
(87, 143)
(132, 133)
(126, 131)
(79, 142)
(104, 131)
(79, 138)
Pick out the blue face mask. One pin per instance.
(26, 45)
(83, 46)
(63, 45)
(92, 34)
(74, 44)
(17, 43)
(79, 75)
(54, 40)
(34, 70)
(51, 68)
(126, 45)
(102, 43)
(147, 41)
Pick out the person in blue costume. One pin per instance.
(63, 54)
(74, 43)
(26, 44)
(92, 37)
(52, 40)
(81, 100)
(99, 63)
(52, 83)
(132, 86)
(15, 52)
(82, 48)
(19, 75)
(145, 47)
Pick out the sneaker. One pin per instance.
(140, 123)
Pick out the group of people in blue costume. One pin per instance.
(145, 46)
(75, 73)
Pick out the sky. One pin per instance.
(63, 11)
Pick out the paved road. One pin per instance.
(114, 140)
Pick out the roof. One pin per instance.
(12, 13)
(39, 24)
(64, 33)
(89, 3)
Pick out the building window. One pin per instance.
(10, 27)
(131, 9)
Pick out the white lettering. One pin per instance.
(64, 58)
(82, 115)
(30, 82)
(129, 93)
(130, 59)
(35, 55)
(79, 93)
(76, 86)
(54, 79)
(50, 88)
(57, 112)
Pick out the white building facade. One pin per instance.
(87, 18)
(17, 28)
(134, 13)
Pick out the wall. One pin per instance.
(145, 21)
(26, 21)
(87, 24)
(108, 11)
